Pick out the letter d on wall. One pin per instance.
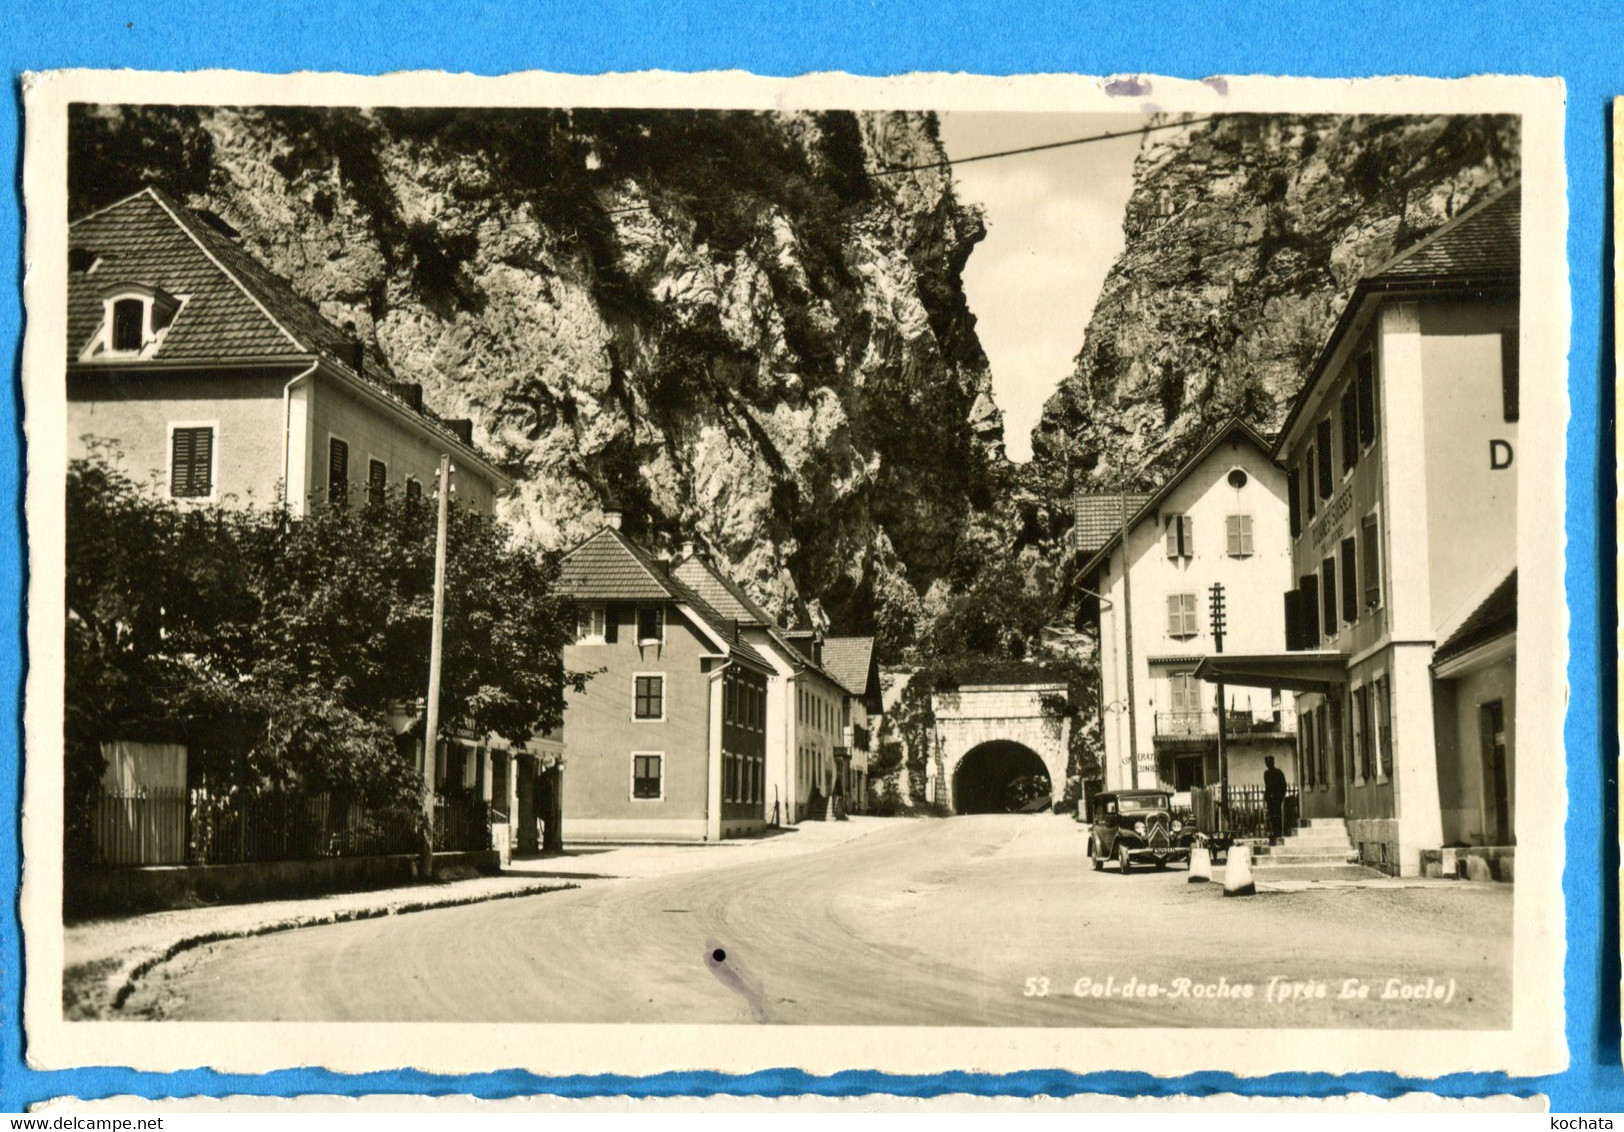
(1499, 455)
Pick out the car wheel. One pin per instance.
(1093, 855)
(1124, 861)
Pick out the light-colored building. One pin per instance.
(1401, 642)
(851, 661)
(1219, 520)
(207, 376)
(668, 742)
(804, 702)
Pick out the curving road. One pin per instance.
(918, 922)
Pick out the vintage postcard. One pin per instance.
(657, 572)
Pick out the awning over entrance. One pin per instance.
(1311, 670)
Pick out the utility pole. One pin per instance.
(431, 727)
(1127, 641)
(1216, 596)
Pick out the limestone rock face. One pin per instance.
(1245, 236)
(734, 325)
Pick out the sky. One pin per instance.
(1054, 227)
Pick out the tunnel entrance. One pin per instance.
(1000, 777)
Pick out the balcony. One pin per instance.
(1199, 729)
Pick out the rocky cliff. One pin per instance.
(1245, 237)
(735, 325)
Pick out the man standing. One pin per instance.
(1274, 798)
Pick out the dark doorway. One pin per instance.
(1000, 777)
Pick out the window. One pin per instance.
(1384, 728)
(1508, 374)
(1366, 382)
(377, 482)
(1333, 727)
(1350, 428)
(1181, 615)
(1308, 585)
(1240, 535)
(338, 471)
(1306, 737)
(1308, 483)
(414, 490)
(650, 624)
(1294, 502)
(589, 624)
(649, 702)
(1186, 693)
(1180, 536)
(1322, 444)
(129, 325)
(1370, 535)
(1328, 595)
(1350, 582)
(1237, 478)
(1363, 736)
(191, 462)
(647, 781)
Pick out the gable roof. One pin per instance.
(850, 660)
(608, 566)
(1099, 516)
(1478, 252)
(1495, 617)
(237, 309)
(1152, 502)
(729, 599)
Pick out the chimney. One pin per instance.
(688, 548)
(463, 427)
(358, 356)
(612, 517)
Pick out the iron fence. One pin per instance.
(1204, 724)
(1248, 810)
(199, 826)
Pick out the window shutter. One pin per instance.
(1309, 622)
(1308, 483)
(1173, 536)
(1350, 582)
(191, 459)
(1175, 616)
(1246, 534)
(611, 625)
(1350, 428)
(1509, 376)
(1371, 532)
(377, 482)
(1294, 616)
(1328, 594)
(1190, 629)
(338, 470)
(1187, 535)
(1367, 397)
(1294, 502)
(1232, 530)
(1322, 441)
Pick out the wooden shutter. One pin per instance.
(1309, 489)
(1509, 376)
(1173, 536)
(1188, 603)
(1294, 618)
(1175, 615)
(1309, 585)
(1322, 441)
(338, 470)
(1294, 502)
(191, 460)
(377, 482)
(1350, 428)
(1232, 533)
(1350, 581)
(1371, 532)
(1367, 397)
(611, 624)
(1328, 594)
(1246, 534)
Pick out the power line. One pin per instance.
(1107, 136)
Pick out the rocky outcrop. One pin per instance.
(735, 325)
(1245, 236)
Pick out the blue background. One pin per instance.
(1581, 42)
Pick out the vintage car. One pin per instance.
(1137, 825)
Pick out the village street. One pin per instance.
(987, 920)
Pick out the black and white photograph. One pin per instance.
(714, 572)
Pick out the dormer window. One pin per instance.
(135, 319)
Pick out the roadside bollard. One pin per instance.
(1200, 865)
(1238, 872)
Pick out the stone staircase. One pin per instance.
(1320, 845)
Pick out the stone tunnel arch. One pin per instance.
(990, 778)
(993, 722)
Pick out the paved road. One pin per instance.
(920, 922)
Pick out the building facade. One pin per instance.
(1220, 520)
(1401, 610)
(851, 661)
(668, 742)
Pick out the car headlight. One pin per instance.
(1139, 828)
(1177, 825)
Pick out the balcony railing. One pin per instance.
(1204, 724)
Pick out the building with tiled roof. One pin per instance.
(1400, 602)
(1099, 515)
(668, 741)
(811, 759)
(212, 379)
